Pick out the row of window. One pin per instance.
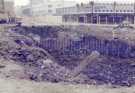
(98, 10)
(50, 6)
(113, 11)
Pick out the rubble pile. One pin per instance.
(115, 64)
(113, 72)
(71, 50)
(33, 59)
(39, 65)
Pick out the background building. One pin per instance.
(9, 8)
(1, 6)
(21, 11)
(48, 7)
(99, 13)
(1, 9)
(7, 13)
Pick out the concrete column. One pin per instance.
(99, 19)
(106, 20)
(77, 18)
(113, 20)
(127, 18)
(73, 19)
(88, 19)
(134, 19)
(85, 19)
(91, 19)
(120, 19)
(70, 18)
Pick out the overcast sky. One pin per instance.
(23, 2)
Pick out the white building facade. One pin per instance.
(1, 6)
(7, 12)
(99, 13)
(9, 8)
(48, 7)
(2, 10)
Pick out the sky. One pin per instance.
(24, 2)
(21, 2)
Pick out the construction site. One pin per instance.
(66, 58)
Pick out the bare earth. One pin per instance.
(23, 86)
(18, 83)
(12, 80)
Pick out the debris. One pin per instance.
(47, 58)
(93, 56)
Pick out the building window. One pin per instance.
(132, 11)
(117, 10)
(107, 10)
(120, 10)
(97, 10)
(59, 5)
(49, 11)
(49, 6)
(128, 10)
(111, 10)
